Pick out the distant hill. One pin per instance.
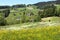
(39, 4)
(4, 7)
(42, 4)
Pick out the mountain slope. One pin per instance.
(42, 4)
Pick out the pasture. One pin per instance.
(36, 33)
(31, 31)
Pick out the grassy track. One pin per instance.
(28, 25)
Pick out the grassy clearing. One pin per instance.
(58, 6)
(52, 19)
(38, 33)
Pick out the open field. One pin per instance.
(28, 25)
(31, 31)
(37, 33)
(54, 21)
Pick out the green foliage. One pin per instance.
(2, 20)
(22, 15)
(19, 6)
(49, 11)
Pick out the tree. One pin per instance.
(2, 20)
(39, 16)
(19, 6)
(49, 11)
(6, 12)
(23, 17)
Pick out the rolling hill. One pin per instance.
(42, 4)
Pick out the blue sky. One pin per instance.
(13, 2)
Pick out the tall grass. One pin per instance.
(38, 33)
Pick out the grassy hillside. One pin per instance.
(17, 15)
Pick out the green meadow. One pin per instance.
(30, 22)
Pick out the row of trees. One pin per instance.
(4, 7)
(49, 11)
(16, 6)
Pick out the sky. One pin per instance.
(13, 2)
